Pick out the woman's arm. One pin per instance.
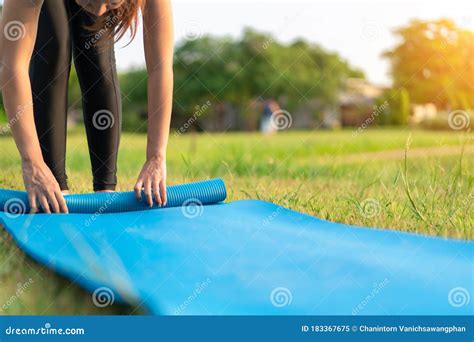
(158, 42)
(18, 28)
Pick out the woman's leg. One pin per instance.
(95, 66)
(49, 73)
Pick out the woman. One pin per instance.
(64, 30)
(43, 187)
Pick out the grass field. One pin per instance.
(362, 180)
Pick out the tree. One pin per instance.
(237, 71)
(434, 61)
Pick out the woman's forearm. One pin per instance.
(18, 103)
(160, 98)
(158, 42)
(18, 27)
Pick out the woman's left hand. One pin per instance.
(152, 180)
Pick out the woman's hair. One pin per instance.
(116, 22)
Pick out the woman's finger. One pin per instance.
(44, 204)
(61, 201)
(164, 195)
(53, 202)
(148, 193)
(33, 204)
(156, 191)
(138, 189)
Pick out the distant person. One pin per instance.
(270, 106)
(85, 29)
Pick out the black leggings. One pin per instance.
(62, 32)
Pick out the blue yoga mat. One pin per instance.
(199, 256)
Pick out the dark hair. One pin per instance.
(116, 22)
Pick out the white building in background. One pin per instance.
(357, 101)
(423, 112)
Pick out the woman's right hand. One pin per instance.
(43, 189)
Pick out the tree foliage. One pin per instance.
(398, 110)
(434, 61)
(237, 71)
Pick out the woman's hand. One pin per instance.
(152, 180)
(42, 188)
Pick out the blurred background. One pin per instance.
(328, 64)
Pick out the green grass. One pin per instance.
(361, 180)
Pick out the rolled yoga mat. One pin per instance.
(246, 257)
(204, 192)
